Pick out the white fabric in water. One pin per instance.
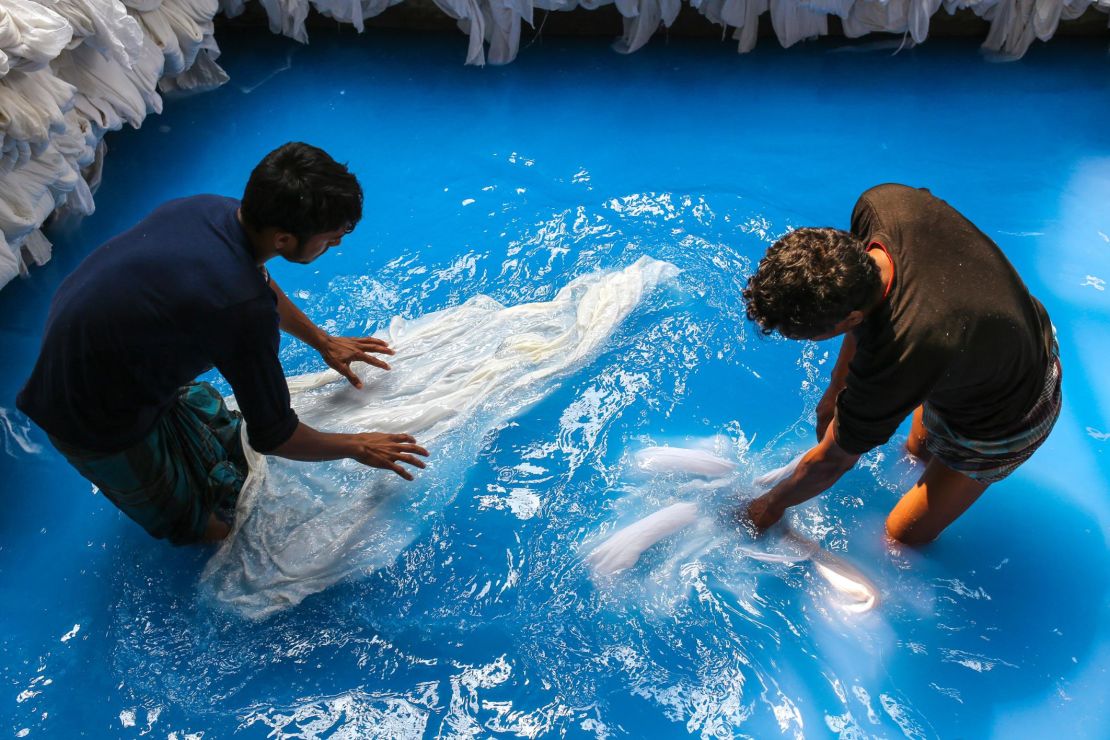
(853, 591)
(683, 460)
(624, 548)
(457, 374)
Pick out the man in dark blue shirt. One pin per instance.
(183, 291)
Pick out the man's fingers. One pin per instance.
(370, 360)
(349, 374)
(414, 461)
(399, 470)
(373, 344)
(402, 438)
(413, 448)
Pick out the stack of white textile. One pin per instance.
(493, 26)
(70, 70)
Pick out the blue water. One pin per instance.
(511, 181)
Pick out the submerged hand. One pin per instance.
(385, 451)
(340, 352)
(763, 512)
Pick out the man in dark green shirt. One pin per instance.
(936, 323)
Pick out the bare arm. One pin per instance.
(375, 449)
(294, 321)
(826, 407)
(338, 352)
(818, 471)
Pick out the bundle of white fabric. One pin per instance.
(494, 26)
(70, 70)
(855, 592)
(457, 374)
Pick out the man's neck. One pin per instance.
(262, 252)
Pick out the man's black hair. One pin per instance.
(300, 189)
(809, 281)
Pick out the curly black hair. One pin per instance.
(300, 189)
(809, 281)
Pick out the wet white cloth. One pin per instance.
(471, 21)
(354, 12)
(287, 17)
(457, 374)
(853, 591)
(683, 460)
(623, 549)
(642, 19)
(793, 22)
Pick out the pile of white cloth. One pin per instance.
(494, 26)
(457, 375)
(70, 70)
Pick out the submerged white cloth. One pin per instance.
(457, 374)
(683, 460)
(853, 591)
(622, 550)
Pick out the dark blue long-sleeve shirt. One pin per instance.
(146, 313)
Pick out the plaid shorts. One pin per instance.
(989, 461)
(189, 466)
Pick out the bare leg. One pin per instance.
(216, 530)
(934, 502)
(915, 445)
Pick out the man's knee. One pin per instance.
(915, 445)
(909, 532)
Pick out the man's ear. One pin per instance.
(854, 319)
(284, 243)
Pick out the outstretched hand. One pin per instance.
(386, 451)
(340, 352)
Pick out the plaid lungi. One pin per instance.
(189, 466)
(989, 461)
